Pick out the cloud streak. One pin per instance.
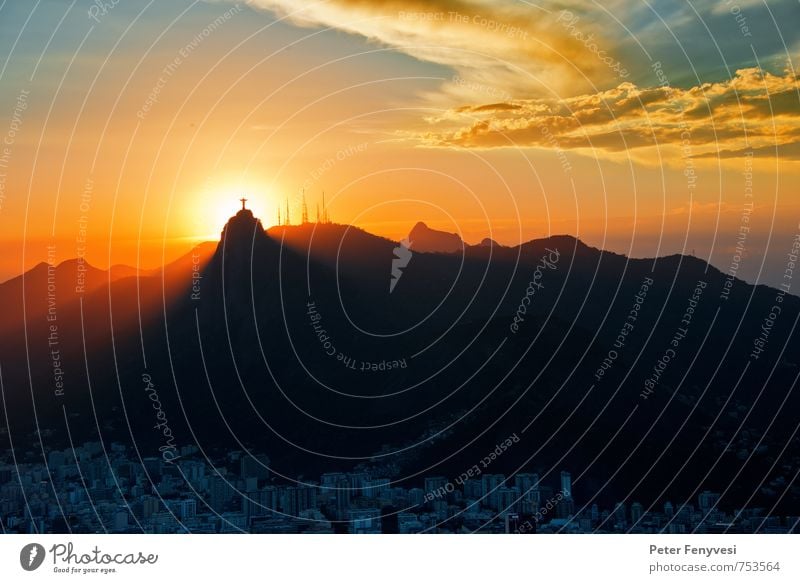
(506, 46)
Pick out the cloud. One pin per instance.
(493, 46)
(734, 7)
(753, 111)
(789, 151)
(548, 74)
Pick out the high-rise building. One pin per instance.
(566, 485)
(220, 492)
(707, 500)
(298, 499)
(375, 488)
(306, 498)
(684, 514)
(565, 508)
(330, 480)
(636, 512)
(508, 499)
(150, 505)
(526, 482)
(120, 520)
(490, 485)
(436, 487)
(342, 494)
(357, 480)
(260, 502)
(289, 504)
(512, 522)
(473, 489)
(416, 496)
(250, 504)
(187, 508)
(619, 515)
(531, 501)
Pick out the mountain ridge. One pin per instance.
(273, 233)
(285, 343)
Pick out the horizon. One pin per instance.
(321, 225)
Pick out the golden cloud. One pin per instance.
(755, 111)
(501, 51)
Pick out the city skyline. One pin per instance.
(238, 493)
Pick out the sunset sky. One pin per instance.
(640, 126)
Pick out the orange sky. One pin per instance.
(140, 129)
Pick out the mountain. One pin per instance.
(650, 377)
(423, 239)
(487, 242)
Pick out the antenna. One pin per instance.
(304, 219)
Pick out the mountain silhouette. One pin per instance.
(487, 242)
(289, 342)
(427, 240)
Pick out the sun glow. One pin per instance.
(212, 208)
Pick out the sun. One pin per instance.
(213, 205)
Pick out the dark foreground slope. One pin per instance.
(642, 376)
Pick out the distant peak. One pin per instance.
(425, 239)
